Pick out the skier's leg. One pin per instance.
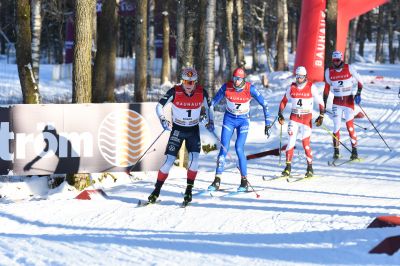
(337, 111)
(292, 133)
(242, 132)
(349, 116)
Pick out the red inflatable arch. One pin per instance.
(311, 40)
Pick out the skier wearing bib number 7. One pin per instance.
(301, 94)
(187, 101)
(238, 94)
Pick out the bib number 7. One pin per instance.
(238, 105)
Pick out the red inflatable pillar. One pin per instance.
(310, 50)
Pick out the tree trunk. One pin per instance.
(379, 36)
(266, 35)
(230, 50)
(352, 41)
(200, 40)
(166, 65)
(141, 52)
(150, 43)
(82, 67)
(390, 29)
(221, 36)
(240, 60)
(330, 37)
(188, 57)
(180, 38)
(254, 54)
(29, 87)
(36, 31)
(361, 34)
(282, 63)
(104, 65)
(209, 58)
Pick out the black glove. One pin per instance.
(267, 130)
(319, 120)
(281, 119)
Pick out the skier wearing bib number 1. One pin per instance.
(301, 94)
(187, 101)
(344, 82)
(238, 94)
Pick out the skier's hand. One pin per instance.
(357, 98)
(319, 120)
(210, 126)
(281, 119)
(267, 130)
(165, 124)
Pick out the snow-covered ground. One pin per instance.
(321, 221)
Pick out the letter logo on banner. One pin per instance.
(123, 136)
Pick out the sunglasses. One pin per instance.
(300, 77)
(188, 82)
(237, 79)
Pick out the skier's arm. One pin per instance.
(167, 98)
(327, 87)
(260, 99)
(318, 99)
(218, 97)
(357, 77)
(284, 101)
(207, 105)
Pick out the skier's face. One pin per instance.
(336, 62)
(238, 81)
(188, 86)
(300, 78)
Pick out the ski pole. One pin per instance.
(231, 158)
(345, 120)
(280, 147)
(374, 127)
(327, 130)
(141, 157)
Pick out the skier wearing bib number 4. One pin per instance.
(301, 94)
(187, 101)
(344, 82)
(238, 94)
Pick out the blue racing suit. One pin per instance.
(237, 116)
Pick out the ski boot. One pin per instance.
(244, 184)
(188, 195)
(215, 184)
(156, 192)
(354, 154)
(336, 153)
(287, 170)
(309, 172)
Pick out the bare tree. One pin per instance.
(191, 7)
(352, 41)
(380, 36)
(166, 65)
(36, 31)
(330, 37)
(240, 60)
(141, 52)
(150, 42)
(200, 39)
(180, 36)
(282, 57)
(230, 50)
(82, 67)
(221, 36)
(30, 90)
(209, 58)
(104, 64)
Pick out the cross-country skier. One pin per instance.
(345, 83)
(301, 94)
(238, 94)
(187, 100)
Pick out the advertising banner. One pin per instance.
(79, 138)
